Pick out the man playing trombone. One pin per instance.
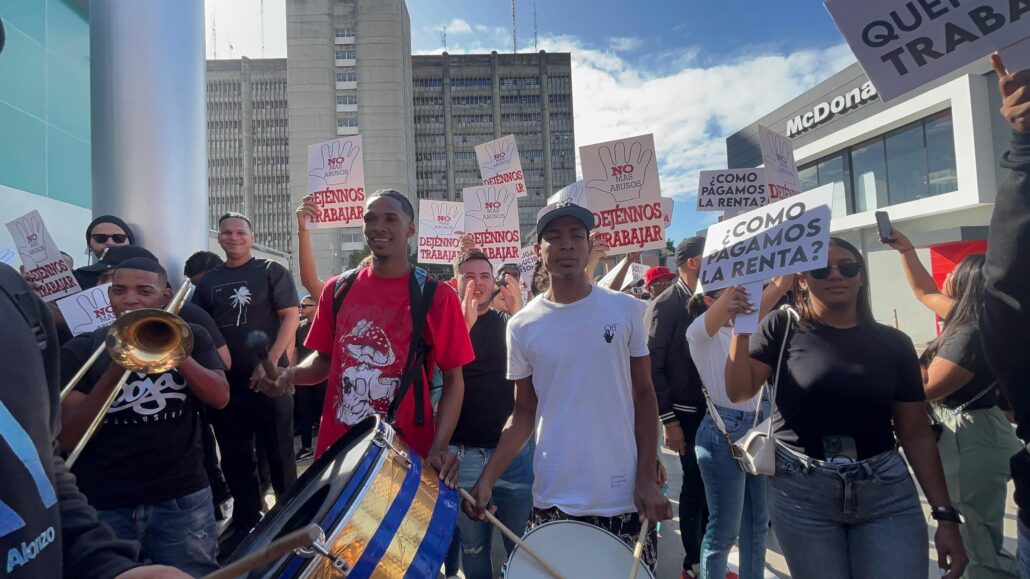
(143, 470)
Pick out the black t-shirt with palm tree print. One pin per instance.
(243, 299)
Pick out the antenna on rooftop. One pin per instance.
(536, 47)
(514, 36)
(443, 37)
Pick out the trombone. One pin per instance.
(147, 341)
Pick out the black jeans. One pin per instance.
(247, 417)
(308, 402)
(693, 509)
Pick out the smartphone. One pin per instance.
(883, 224)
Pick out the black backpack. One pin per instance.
(421, 289)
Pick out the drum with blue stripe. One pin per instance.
(382, 509)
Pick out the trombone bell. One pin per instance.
(149, 341)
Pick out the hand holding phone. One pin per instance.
(883, 225)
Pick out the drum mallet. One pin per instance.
(299, 539)
(259, 344)
(513, 537)
(638, 549)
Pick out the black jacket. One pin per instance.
(55, 532)
(676, 381)
(1005, 326)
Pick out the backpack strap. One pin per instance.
(340, 290)
(421, 290)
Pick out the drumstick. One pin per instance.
(638, 549)
(284, 545)
(513, 537)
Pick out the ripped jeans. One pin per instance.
(513, 496)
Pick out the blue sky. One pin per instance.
(689, 71)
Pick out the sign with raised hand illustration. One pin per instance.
(732, 190)
(44, 265)
(492, 219)
(499, 164)
(88, 310)
(575, 194)
(623, 192)
(336, 183)
(8, 255)
(440, 224)
(789, 236)
(781, 171)
(667, 206)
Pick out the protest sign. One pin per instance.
(439, 224)
(336, 183)
(527, 265)
(748, 323)
(573, 194)
(781, 171)
(739, 190)
(492, 219)
(1017, 56)
(623, 192)
(667, 207)
(44, 265)
(903, 45)
(87, 310)
(499, 164)
(782, 238)
(8, 255)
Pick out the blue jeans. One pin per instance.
(1024, 549)
(737, 512)
(178, 532)
(513, 496)
(848, 520)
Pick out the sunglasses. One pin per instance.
(846, 269)
(302, 306)
(103, 237)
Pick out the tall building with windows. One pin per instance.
(928, 158)
(248, 146)
(349, 72)
(464, 100)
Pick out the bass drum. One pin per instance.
(382, 509)
(575, 549)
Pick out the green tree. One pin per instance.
(356, 256)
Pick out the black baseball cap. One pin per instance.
(562, 209)
(116, 255)
(689, 248)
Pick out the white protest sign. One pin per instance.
(492, 219)
(668, 205)
(636, 273)
(527, 265)
(903, 45)
(789, 236)
(781, 170)
(8, 255)
(499, 164)
(623, 192)
(609, 278)
(44, 265)
(1017, 56)
(739, 190)
(748, 323)
(87, 310)
(336, 182)
(572, 194)
(438, 225)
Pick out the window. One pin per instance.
(347, 99)
(346, 77)
(346, 54)
(470, 82)
(429, 82)
(344, 32)
(340, 123)
(914, 162)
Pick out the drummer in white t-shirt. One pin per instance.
(578, 356)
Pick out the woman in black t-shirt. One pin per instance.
(842, 501)
(976, 439)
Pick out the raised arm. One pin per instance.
(306, 255)
(924, 288)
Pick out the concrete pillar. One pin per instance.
(448, 131)
(545, 107)
(496, 98)
(247, 142)
(149, 131)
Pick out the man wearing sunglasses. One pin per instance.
(107, 231)
(849, 270)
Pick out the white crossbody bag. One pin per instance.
(755, 452)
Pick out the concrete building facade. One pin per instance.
(248, 147)
(461, 101)
(349, 72)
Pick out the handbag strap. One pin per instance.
(774, 383)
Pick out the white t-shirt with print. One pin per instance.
(709, 354)
(578, 355)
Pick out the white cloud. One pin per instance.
(624, 43)
(457, 26)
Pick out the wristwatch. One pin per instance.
(948, 513)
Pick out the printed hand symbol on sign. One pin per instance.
(94, 308)
(625, 171)
(7, 255)
(30, 240)
(501, 155)
(494, 205)
(782, 160)
(337, 161)
(442, 219)
(574, 194)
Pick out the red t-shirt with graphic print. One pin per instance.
(372, 334)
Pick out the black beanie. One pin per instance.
(689, 248)
(110, 219)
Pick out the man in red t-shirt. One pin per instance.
(363, 350)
